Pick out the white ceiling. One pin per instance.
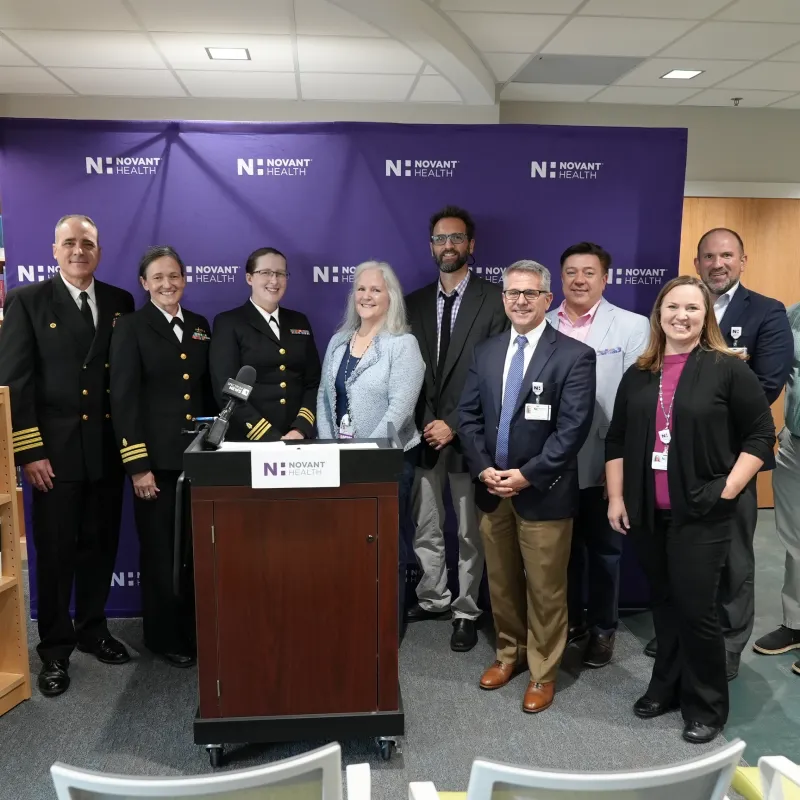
(418, 51)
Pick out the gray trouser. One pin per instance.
(428, 510)
(786, 486)
(737, 584)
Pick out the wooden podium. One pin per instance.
(296, 599)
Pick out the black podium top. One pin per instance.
(232, 467)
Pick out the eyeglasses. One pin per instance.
(271, 273)
(455, 238)
(529, 294)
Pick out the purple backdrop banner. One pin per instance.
(330, 196)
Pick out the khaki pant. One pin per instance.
(527, 567)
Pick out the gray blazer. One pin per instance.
(383, 388)
(618, 337)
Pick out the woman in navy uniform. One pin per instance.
(159, 384)
(279, 344)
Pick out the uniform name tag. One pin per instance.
(300, 330)
(537, 411)
(659, 461)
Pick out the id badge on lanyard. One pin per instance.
(346, 429)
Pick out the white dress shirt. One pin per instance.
(533, 339)
(723, 301)
(75, 293)
(177, 328)
(271, 319)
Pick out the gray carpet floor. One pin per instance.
(137, 719)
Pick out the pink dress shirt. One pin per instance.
(580, 328)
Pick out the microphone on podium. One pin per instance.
(237, 390)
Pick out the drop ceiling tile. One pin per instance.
(29, 80)
(88, 49)
(429, 70)
(608, 36)
(11, 57)
(548, 92)
(649, 73)
(790, 102)
(341, 54)
(750, 98)
(187, 51)
(579, 70)
(434, 89)
(512, 6)
(752, 41)
(790, 54)
(643, 95)
(507, 33)
(266, 85)
(122, 82)
(505, 65)
(770, 75)
(213, 16)
(321, 18)
(85, 15)
(673, 9)
(360, 88)
(763, 11)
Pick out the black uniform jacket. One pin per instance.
(158, 386)
(58, 373)
(287, 371)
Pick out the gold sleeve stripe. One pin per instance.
(25, 432)
(18, 448)
(131, 447)
(259, 429)
(134, 456)
(306, 414)
(28, 438)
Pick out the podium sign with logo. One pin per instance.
(309, 466)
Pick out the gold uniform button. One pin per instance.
(187, 397)
(85, 392)
(52, 325)
(282, 351)
(283, 385)
(189, 416)
(283, 401)
(186, 376)
(85, 417)
(283, 367)
(108, 365)
(108, 416)
(184, 356)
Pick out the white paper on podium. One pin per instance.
(234, 447)
(357, 445)
(293, 466)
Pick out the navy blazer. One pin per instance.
(545, 451)
(766, 334)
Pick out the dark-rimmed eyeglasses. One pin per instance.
(529, 294)
(455, 238)
(271, 273)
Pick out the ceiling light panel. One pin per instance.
(650, 72)
(188, 51)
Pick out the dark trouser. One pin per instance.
(683, 564)
(166, 619)
(76, 533)
(737, 586)
(406, 523)
(596, 551)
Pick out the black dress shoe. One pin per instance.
(651, 647)
(732, 664)
(108, 650)
(576, 632)
(647, 708)
(417, 614)
(465, 635)
(54, 678)
(599, 651)
(698, 733)
(180, 660)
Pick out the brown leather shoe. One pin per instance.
(499, 674)
(538, 696)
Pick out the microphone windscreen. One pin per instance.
(246, 375)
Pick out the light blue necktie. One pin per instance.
(510, 397)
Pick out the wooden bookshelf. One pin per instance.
(15, 676)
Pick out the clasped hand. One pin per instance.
(437, 434)
(504, 482)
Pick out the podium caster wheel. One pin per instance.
(387, 748)
(215, 753)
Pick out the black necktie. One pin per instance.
(277, 326)
(444, 334)
(177, 326)
(86, 312)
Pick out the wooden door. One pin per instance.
(770, 229)
(297, 584)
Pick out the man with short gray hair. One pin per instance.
(525, 413)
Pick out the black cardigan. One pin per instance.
(720, 411)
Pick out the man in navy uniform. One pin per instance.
(54, 347)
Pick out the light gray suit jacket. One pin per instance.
(618, 337)
(383, 388)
